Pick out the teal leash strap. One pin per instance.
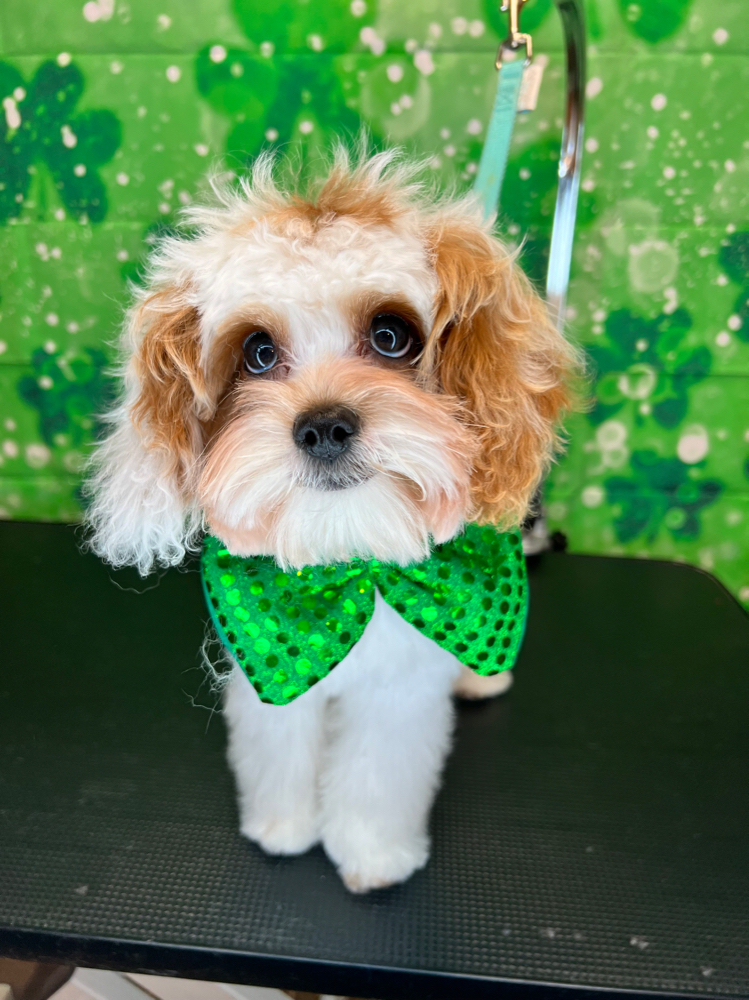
(496, 149)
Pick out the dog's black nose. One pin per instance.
(326, 434)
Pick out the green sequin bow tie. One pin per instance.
(289, 630)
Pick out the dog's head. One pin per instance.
(355, 373)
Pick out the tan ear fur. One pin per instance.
(495, 348)
(173, 397)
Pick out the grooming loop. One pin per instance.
(499, 134)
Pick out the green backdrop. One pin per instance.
(113, 111)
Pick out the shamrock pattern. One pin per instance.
(275, 101)
(68, 393)
(734, 258)
(645, 364)
(43, 131)
(660, 493)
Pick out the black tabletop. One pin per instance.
(591, 831)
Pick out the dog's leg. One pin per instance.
(391, 722)
(274, 752)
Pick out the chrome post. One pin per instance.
(570, 159)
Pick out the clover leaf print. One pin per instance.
(733, 257)
(270, 98)
(660, 493)
(68, 392)
(654, 21)
(644, 363)
(43, 129)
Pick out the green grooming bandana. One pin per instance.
(288, 630)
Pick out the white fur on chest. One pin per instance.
(354, 762)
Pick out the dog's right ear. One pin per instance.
(142, 508)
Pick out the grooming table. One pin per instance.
(591, 832)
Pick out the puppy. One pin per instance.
(355, 373)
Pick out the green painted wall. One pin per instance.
(113, 112)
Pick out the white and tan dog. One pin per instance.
(353, 373)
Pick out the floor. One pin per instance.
(98, 984)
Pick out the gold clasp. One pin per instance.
(516, 39)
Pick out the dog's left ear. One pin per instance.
(494, 347)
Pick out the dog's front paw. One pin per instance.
(473, 686)
(282, 834)
(366, 860)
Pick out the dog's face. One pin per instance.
(353, 375)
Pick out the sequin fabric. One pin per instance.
(288, 630)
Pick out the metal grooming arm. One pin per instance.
(570, 159)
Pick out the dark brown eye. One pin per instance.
(260, 353)
(392, 336)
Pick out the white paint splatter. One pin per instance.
(98, 10)
(672, 300)
(591, 145)
(69, 138)
(474, 126)
(122, 179)
(201, 149)
(720, 36)
(12, 114)
(358, 8)
(593, 87)
(79, 170)
(51, 319)
(217, 53)
(173, 73)
(423, 62)
(64, 59)
(395, 73)
(658, 102)
(37, 455)
(693, 444)
(459, 26)
(592, 496)
(369, 37)
(306, 127)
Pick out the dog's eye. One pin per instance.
(260, 353)
(391, 336)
